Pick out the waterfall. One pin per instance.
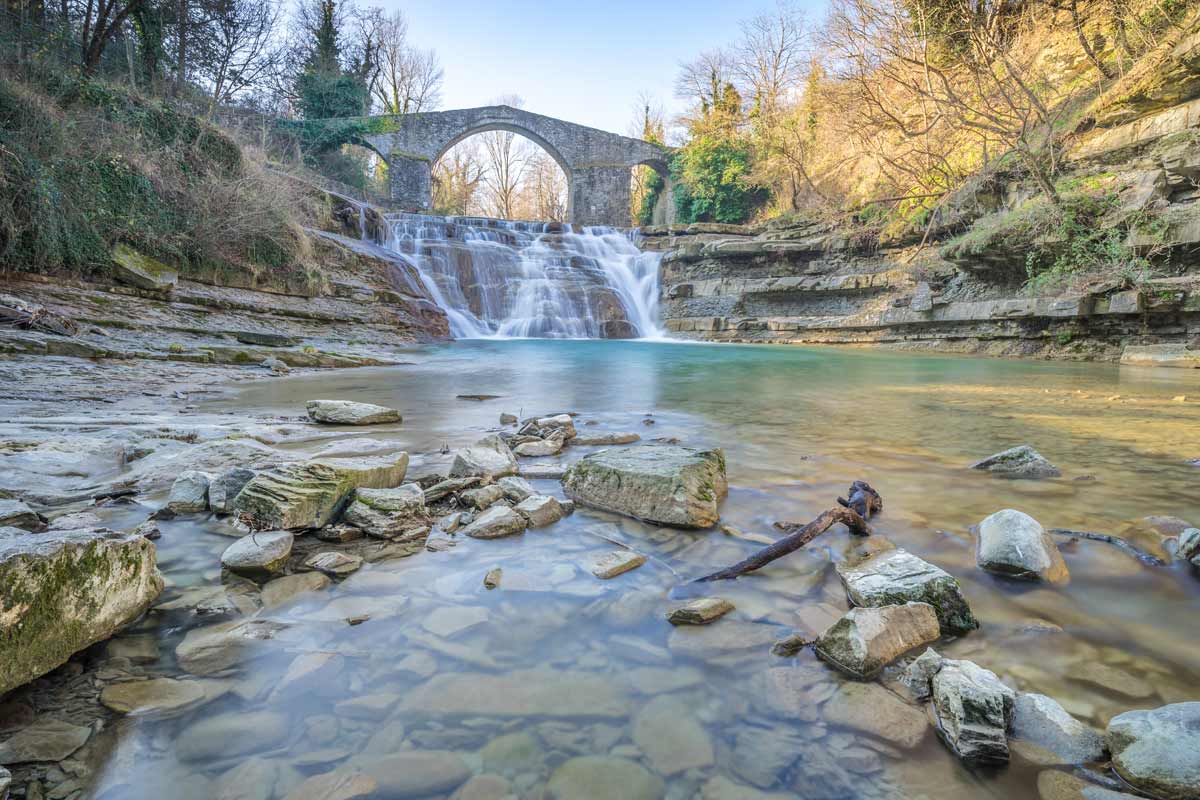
(496, 278)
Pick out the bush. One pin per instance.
(711, 177)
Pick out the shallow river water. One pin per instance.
(446, 679)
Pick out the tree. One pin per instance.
(771, 57)
(702, 81)
(649, 124)
(506, 156)
(324, 89)
(544, 193)
(102, 20)
(407, 79)
(457, 177)
(239, 47)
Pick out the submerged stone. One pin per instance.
(1018, 462)
(156, 698)
(310, 495)
(617, 563)
(45, 740)
(344, 783)
(664, 484)
(603, 778)
(1044, 733)
(895, 577)
(700, 612)
(232, 734)
(525, 694)
(866, 640)
(64, 591)
(1158, 751)
(1014, 544)
(671, 737)
(348, 412)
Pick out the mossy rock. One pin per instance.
(135, 269)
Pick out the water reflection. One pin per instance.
(415, 673)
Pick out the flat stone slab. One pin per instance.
(496, 522)
(156, 698)
(1044, 733)
(348, 412)
(532, 693)
(47, 740)
(617, 563)
(894, 577)
(865, 640)
(869, 708)
(700, 612)
(664, 484)
(1158, 751)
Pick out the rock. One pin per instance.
(276, 365)
(1189, 546)
(761, 756)
(869, 708)
(616, 563)
(895, 577)
(214, 648)
(1055, 785)
(45, 740)
(559, 423)
(417, 773)
(236, 733)
(541, 510)
(918, 676)
(5, 782)
(605, 439)
(487, 458)
(310, 495)
(16, 514)
(495, 522)
(259, 555)
(973, 711)
(1014, 544)
(485, 787)
(922, 299)
(789, 646)
(671, 737)
(62, 592)
(347, 412)
(345, 783)
(138, 649)
(1044, 733)
(540, 447)
(133, 268)
(866, 640)
(189, 492)
(483, 496)
(721, 788)
(522, 694)
(1112, 679)
(334, 564)
(308, 674)
(515, 489)
(282, 591)
(1157, 751)
(508, 419)
(700, 612)
(603, 778)
(225, 487)
(388, 513)
(513, 753)
(543, 471)
(157, 698)
(492, 579)
(732, 639)
(446, 621)
(667, 485)
(1018, 462)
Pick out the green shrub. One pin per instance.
(712, 180)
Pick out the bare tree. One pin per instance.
(407, 78)
(102, 20)
(506, 157)
(543, 195)
(771, 58)
(457, 177)
(239, 46)
(702, 81)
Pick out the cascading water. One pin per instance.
(496, 278)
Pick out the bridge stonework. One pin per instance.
(597, 163)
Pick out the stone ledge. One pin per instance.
(716, 287)
(1161, 355)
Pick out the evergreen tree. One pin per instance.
(324, 88)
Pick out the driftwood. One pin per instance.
(853, 512)
(1116, 541)
(16, 313)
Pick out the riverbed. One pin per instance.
(556, 683)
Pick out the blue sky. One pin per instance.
(584, 62)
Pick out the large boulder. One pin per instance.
(348, 412)
(1158, 751)
(1015, 544)
(387, 513)
(973, 711)
(1018, 462)
(665, 485)
(489, 457)
(61, 592)
(131, 267)
(865, 640)
(310, 495)
(895, 577)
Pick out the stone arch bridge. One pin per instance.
(597, 163)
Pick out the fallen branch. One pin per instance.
(852, 512)
(1116, 541)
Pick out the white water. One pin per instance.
(502, 279)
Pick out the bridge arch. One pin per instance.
(597, 163)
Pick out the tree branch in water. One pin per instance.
(1136, 552)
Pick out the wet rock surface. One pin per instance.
(1014, 544)
(895, 577)
(866, 640)
(1158, 751)
(973, 711)
(348, 412)
(1018, 462)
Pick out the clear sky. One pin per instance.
(584, 62)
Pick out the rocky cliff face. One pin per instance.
(958, 286)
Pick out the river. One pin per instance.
(561, 683)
